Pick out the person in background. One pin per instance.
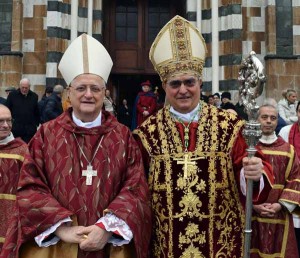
(12, 155)
(53, 106)
(23, 105)
(65, 100)
(145, 105)
(240, 110)
(291, 134)
(226, 101)
(275, 214)
(124, 114)
(211, 100)
(83, 188)
(42, 102)
(287, 106)
(194, 154)
(109, 104)
(9, 90)
(217, 100)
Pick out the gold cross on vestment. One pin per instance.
(187, 161)
(89, 173)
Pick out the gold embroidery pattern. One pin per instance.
(200, 193)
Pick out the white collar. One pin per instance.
(8, 139)
(96, 122)
(268, 139)
(188, 116)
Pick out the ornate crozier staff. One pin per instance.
(252, 80)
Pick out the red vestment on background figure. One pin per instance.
(12, 156)
(275, 237)
(146, 102)
(196, 198)
(52, 187)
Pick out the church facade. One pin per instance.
(35, 34)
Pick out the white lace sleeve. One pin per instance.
(112, 223)
(40, 238)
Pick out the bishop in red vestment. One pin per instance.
(86, 167)
(12, 154)
(272, 222)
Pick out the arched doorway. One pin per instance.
(130, 26)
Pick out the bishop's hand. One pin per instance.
(69, 234)
(95, 238)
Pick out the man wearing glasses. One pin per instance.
(84, 185)
(12, 154)
(195, 156)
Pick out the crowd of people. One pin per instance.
(81, 177)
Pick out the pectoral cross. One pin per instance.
(89, 173)
(187, 161)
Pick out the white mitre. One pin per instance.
(178, 48)
(85, 55)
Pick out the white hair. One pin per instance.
(25, 80)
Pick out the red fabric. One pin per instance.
(9, 175)
(146, 102)
(52, 188)
(200, 214)
(275, 237)
(294, 138)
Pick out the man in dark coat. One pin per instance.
(23, 105)
(53, 106)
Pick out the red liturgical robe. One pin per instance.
(52, 186)
(275, 237)
(146, 102)
(12, 156)
(196, 198)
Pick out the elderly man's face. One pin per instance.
(24, 87)
(183, 92)
(86, 95)
(5, 122)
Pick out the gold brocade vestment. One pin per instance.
(197, 209)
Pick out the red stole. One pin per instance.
(192, 134)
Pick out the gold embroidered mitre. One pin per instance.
(178, 48)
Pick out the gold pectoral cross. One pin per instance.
(89, 173)
(187, 161)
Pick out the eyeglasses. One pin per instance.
(94, 89)
(7, 121)
(176, 84)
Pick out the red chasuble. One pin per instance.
(12, 156)
(52, 186)
(275, 237)
(196, 198)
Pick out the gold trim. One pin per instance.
(11, 197)
(2, 239)
(12, 156)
